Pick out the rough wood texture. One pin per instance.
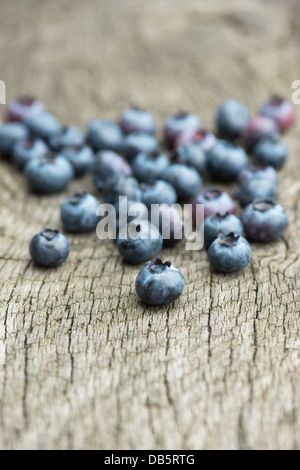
(87, 366)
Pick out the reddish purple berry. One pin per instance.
(259, 128)
(281, 111)
(21, 109)
(215, 201)
(178, 123)
(264, 221)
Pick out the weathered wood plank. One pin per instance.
(87, 366)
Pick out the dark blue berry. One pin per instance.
(137, 120)
(256, 188)
(186, 180)
(44, 125)
(143, 243)
(159, 283)
(104, 135)
(229, 253)
(108, 167)
(274, 152)
(10, 133)
(226, 160)
(191, 154)
(258, 170)
(139, 143)
(231, 118)
(79, 213)
(281, 111)
(221, 223)
(171, 225)
(82, 159)
(128, 210)
(123, 186)
(49, 248)
(26, 150)
(70, 137)
(264, 221)
(49, 174)
(260, 127)
(158, 192)
(215, 201)
(182, 121)
(149, 166)
(22, 108)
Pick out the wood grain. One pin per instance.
(86, 365)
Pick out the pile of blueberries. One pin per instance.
(126, 159)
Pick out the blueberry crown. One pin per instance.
(229, 240)
(49, 234)
(263, 205)
(158, 265)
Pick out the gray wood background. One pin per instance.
(85, 365)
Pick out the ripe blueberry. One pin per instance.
(215, 201)
(206, 140)
(192, 155)
(226, 160)
(259, 128)
(78, 213)
(229, 253)
(223, 223)
(159, 283)
(258, 170)
(123, 186)
(149, 166)
(264, 220)
(108, 167)
(185, 180)
(82, 158)
(231, 118)
(49, 174)
(70, 137)
(26, 150)
(256, 188)
(104, 135)
(137, 120)
(171, 225)
(44, 125)
(281, 111)
(10, 133)
(274, 152)
(139, 143)
(182, 121)
(22, 108)
(158, 192)
(141, 242)
(49, 248)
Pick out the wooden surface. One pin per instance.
(87, 366)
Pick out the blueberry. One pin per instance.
(158, 192)
(206, 140)
(258, 170)
(281, 111)
(226, 160)
(221, 223)
(44, 125)
(11, 133)
(259, 128)
(192, 155)
(139, 143)
(108, 167)
(229, 253)
(274, 152)
(82, 158)
(104, 135)
(149, 166)
(186, 181)
(264, 220)
(215, 201)
(128, 210)
(123, 186)
(159, 283)
(171, 225)
(70, 137)
(178, 123)
(26, 150)
(49, 174)
(78, 213)
(49, 248)
(137, 120)
(22, 108)
(141, 244)
(256, 188)
(231, 118)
